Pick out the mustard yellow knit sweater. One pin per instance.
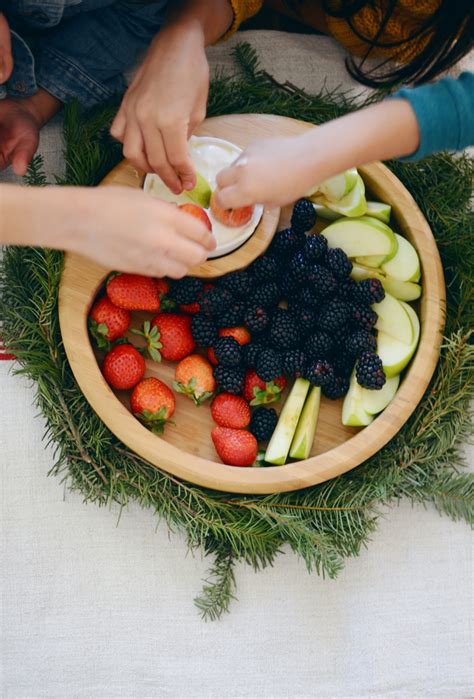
(407, 17)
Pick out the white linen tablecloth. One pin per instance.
(92, 609)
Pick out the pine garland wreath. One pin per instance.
(324, 524)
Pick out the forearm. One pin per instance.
(211, 19)
(41, 216)
(379, 132)
(43, 106)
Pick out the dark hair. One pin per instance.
(451, 36)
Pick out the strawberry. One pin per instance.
(153, 403)
(107, 322)
(194, 378)
(240, 334)
(230, 217)
(166, 303)
(190, 308)
(211, 356)
(228, 410)
(162, 286)
(258, 392)
(168, 336)
(197, 212)
(235, 447)
(123, 367)
(134, 292)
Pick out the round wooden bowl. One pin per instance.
(186, 449)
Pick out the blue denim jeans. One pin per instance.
(77, 48)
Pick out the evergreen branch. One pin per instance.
(218, 589)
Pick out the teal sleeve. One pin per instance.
(445, 114)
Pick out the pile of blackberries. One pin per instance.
(306, 316)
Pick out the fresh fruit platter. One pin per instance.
(283, 373)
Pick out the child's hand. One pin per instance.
(162, 107)
(19, 135)
(130, 231)
(6, 58)
(272, 172)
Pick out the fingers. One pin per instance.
(133, 148)
(233, 197)
(22, 154)
(227, 176)
(117, 130)
(157, 157)
(6, 57)
(176, 145)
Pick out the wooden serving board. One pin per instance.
(186, 449)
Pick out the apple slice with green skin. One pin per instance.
(379, 210)
(372, 261)
(337, 187)
(304, 435)
(280, 442)
(322, 210)
(394, 354)
(403, 291)
(376, 401)
(353, 204)
(361, 236)
(405, 265)
(201, 194)
(353, 412)
(393, 319)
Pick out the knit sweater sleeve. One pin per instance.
(445, 114)
(242, 9)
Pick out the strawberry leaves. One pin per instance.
(152, 337)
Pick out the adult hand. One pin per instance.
(19, 135)
(164, 104)
(6, 57)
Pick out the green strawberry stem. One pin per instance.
(154, 421)
(189, 390)
(152, 337)
(263, 396)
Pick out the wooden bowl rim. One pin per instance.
(81, 275)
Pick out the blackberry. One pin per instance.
(288, 286)
(369, 371)
(360, 341)
(215, 300)
(307, 298)
(256, 319)
(268, 364)
(319, 372)
(264, 268)
(303, 217)
(287, 242)
(203, 330)
(369, 291)
(315, 247)
(337, 388)
(227, 351)
(322, 282)
(364, 316)
(186, 290)
(230, 379)
(238, 283)
(265, 295)
(306, 317)
(334, 315)
(263, 423)
(284, 331)
(293, 362)
(250, 353)
(346, 289)
(299, 267)
(232, 316)
(319, 344)
(343, 361)
(338, 263)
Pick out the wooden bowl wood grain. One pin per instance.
(186, 449)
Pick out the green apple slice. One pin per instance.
(405, 265)
(379, 210)
(337, 187)
(394, 354)
(322, 209)
(353, 204)
(279, 445)
(304, 435)
(361, 236)
(376, 401)
(372, 261)
(201, 194)
(403, 291)
(393, 319)
(353, 412)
